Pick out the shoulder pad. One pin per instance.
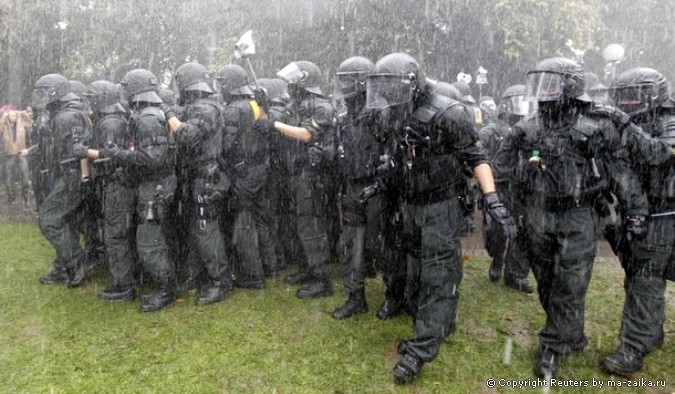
(616, 115)
(665, 128)
(433, 106)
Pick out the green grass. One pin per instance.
(58, 340)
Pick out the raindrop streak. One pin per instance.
(508, 347)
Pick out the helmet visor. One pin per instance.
(544, 86)
(42, 96)
(635, 98)
(347, 84)
(387, 90)
(291, 73)
(516, 105)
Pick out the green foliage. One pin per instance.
(59, 340)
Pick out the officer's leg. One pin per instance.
(119, 205)
(644, 307)
(246, 242)
(440, 272)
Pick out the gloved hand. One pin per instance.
(368, 192)
(80, 150)
(168, 110)
(113, 152)
(496, 209)
(636, 226)
(263, 126)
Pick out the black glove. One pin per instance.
(113, 152)
(368, 192)
(80, 150)
(496, 209)
(168, 111)
(636, 227)
(263, 126)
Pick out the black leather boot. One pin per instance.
(299, 278)
(520, 284)
(624, 362)
(217, 291)
(57, 275)
(76, 275)
(158, 300)
(389, 308)
(546, 365)
(495, 271)
(115, 292)
(407, 369)
(355, 304)
(322, 288)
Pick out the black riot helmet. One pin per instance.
(350, 77)
(141, 86)
(465, 93)
(556, 79)
(233, 81)
(192, 77)
(276, 90)
(396, 79)
(640, 90)
(447, 90)
(167, 95)
(303, 75)
(104, 97)
(513, 101)
(77, 88)
(50, 89)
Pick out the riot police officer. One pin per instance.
(199, 136)
(116, 188)
(68, 123)
(643, 93)
(511, 254)
(147, 157)
(437, 136)
(247, 155)
(358, 156)
(312, 123)
(564, 159)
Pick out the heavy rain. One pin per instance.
(337, 196)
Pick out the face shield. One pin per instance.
(634, 99)
(544, 86)
(42, 96)
(347, 85)
(291, 73)
(387, 90)
(516, 105)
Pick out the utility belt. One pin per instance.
(559, 204)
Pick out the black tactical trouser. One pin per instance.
(312, 224)
(645, 265)
(434, 272)
(151, 244)
(206, 240)
(58, 214)
(392, 247)
(563, 247)
(290, 247)
(352, 244)
(252, 236)
(119, 202)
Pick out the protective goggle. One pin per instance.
(544, 86)
(388, 90)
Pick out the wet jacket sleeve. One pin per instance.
(626, 183)
(200, 121)
(152, 148)
(642, 149)
(462, 138)
(320, 123)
